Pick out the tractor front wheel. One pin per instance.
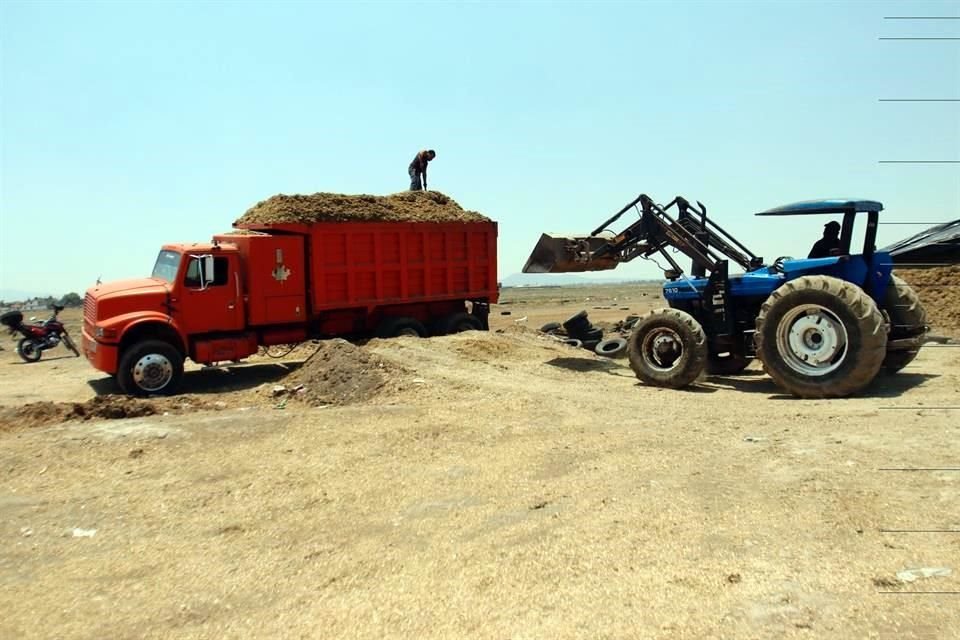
(821, 337)
(667, 348)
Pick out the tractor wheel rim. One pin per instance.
(662, 348)
(812, 340)
(152, 372)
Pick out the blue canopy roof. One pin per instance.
(813, 207)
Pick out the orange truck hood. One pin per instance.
(134, 286)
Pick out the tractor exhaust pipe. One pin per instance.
(570, 254)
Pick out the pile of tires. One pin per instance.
(580, 333)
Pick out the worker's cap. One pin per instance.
(833, 224)
(432, 153)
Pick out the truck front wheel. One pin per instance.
(151, 367)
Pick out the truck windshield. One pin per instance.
(166, 267)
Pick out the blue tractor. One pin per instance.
(822, 327)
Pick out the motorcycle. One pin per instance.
(37, 338)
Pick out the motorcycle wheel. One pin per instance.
(68, 343)
(29, 350)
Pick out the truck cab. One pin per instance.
(192, 305)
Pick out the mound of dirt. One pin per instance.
(939, 291)
(408, 206)
(342, 373)
(37, 414)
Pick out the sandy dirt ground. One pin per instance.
(501, 485)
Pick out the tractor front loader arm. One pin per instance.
(652, 233)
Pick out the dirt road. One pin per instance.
(503, 486)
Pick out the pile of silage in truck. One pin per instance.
(408, 206)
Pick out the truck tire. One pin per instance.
(821, 337)
(151, 367)
(573, 342)
(611, 348)
(727, 365)
(550, 327)
(460, 322)
(908, 319)
(667, 348)
(400, 326)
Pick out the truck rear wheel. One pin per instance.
(459, 322)
(400, 326)
(821, 337)
(667, 348)
(151, 367)
(908, 319)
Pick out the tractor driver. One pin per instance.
(829, 243)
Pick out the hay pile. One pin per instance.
(409, 206)
(342, 373)
(939, 291)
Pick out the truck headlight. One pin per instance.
(102, 332)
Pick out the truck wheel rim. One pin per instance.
(662, 348)
(812, 340)
(152, 372)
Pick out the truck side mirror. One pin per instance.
(206, 274)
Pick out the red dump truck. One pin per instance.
(282, 283)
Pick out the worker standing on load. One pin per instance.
(418, 168)
(825, 246)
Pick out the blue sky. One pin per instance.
(128, 124)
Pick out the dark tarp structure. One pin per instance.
(934, 246)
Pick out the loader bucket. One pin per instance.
(568, 254)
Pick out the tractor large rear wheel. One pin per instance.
(908, 319)
(667, 348)
(821, 337)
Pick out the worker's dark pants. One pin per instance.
(415, 184)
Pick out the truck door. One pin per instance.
(210, 296)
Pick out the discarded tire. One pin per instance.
(611, 348)
(908, 319)
(573, 342)
(590, 345)
(591, 334)
(667, 348)
(577, 324)
(550, 327)
(821, 337)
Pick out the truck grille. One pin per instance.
(89, 313)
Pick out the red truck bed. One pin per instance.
(338, 266)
